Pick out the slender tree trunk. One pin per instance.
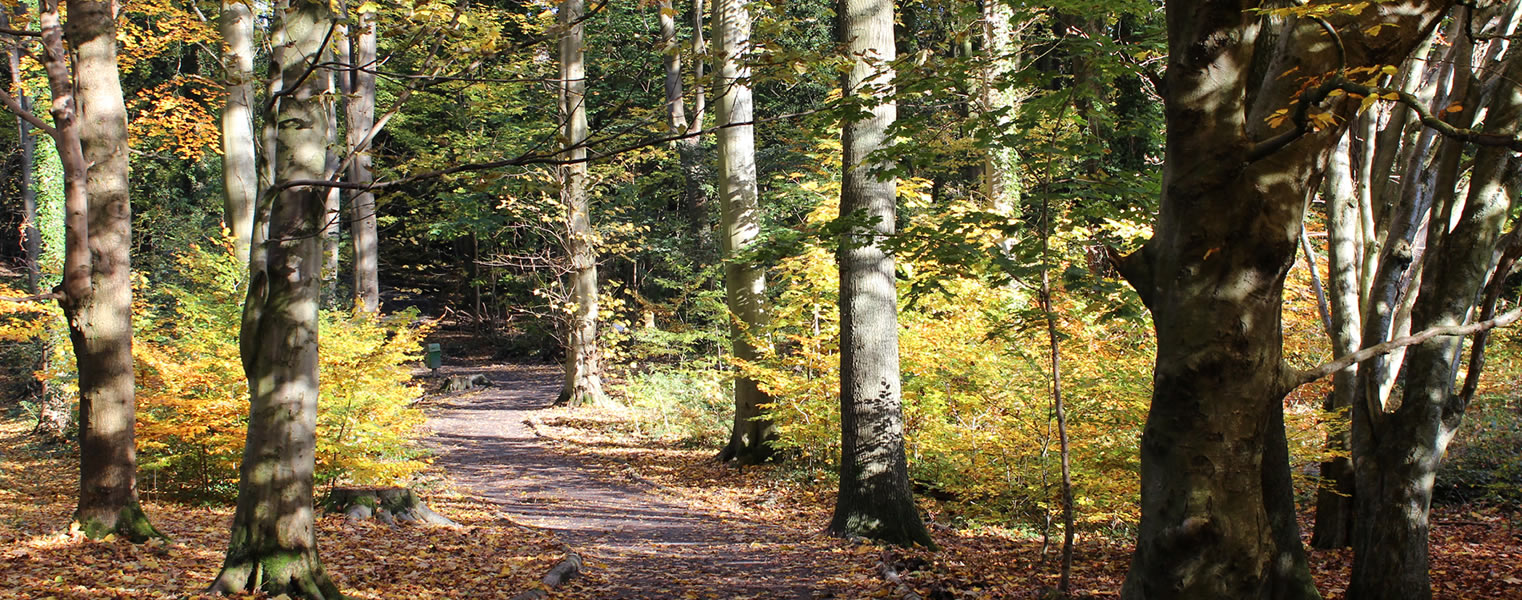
(240, 167)
(875, 499)
(273, 545)
(676, 115)
(332, 220)
(744, 280)
(100, 322)
(583, 362)
(1397, 456)
(1334, 496)
(1217, 511)
(361, 118)
(31, 239)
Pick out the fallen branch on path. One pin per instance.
(562, 572)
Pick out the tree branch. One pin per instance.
(1299, 378)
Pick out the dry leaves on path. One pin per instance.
(487, 557)
(1476, 554)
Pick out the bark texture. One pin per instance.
(273, 545)
(875, 499)
(240, 167)
(100, 321)
(1398, 452)
(583, 361)
(1334, 497)
(1217, 514)
(361, 119)
(744, 280)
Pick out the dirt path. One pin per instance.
(638, 543)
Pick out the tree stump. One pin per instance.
(388, 505)
(461, 383)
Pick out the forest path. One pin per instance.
(637, 542)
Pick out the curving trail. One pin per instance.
(637, 542)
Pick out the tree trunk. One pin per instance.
(1334, 496)
(361, 118)
(100, 322)
(332, 219)
(240, 167)
(31, 239)
(874, 500)
(273, 546)
(744, 280)
(583, 362)
(676, 113)
(1397, 456)
(1217, 514)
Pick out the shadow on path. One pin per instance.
(638, 543)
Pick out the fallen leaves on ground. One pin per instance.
(1476, 554)
(487, 557)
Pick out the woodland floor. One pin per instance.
(650, 518)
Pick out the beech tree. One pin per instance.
(744, 280)
(1217, 512)
(89, 129)
(875, 500)
(360, 106)
(1398, 446)
(273, 545)
(583, 361)
(240, 166)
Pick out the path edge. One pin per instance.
(567, 569)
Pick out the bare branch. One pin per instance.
(1299, 378)
(46, 296)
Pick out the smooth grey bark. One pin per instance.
(1334, 496)
(676, 115)
(875, 500)
(240, 166)
(583, 361)
(360, 108)
(273, 545)
(752, 434)
(332, 219)
(1217, 511)
(1399, 451)
(99, 312)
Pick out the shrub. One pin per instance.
(193, 398)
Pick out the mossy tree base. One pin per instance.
(388, 505)
(276, 572)
(130, 523)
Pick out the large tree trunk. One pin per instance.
(744, 280)
(100, 322)
(676, 113)
(583, 362)
(874, 500)
(240, 167)
(1398, 454)
(361, 118)
(1217, 514)
(273, 545)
